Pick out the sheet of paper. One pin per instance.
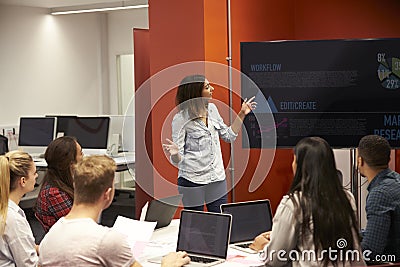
(134, 230)
(138, 248)
(144, 211)
(249, 260)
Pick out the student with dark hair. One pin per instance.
(77, 239)
(57, 192)
(17, 177)
(382, 233)
(195, 147)
(316, 217)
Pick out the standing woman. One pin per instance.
(17, 177)
(316, 223)
(195, 147)
(57, 192)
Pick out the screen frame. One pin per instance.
(35, 148)
(70, 132)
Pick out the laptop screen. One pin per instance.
(249, 219)
(162, 210)
(204, 233)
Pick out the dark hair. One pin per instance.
(189, 95)
(59, 155)
(93, 175)
(321, 197)
(375, 151)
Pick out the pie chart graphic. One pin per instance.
(389, 73)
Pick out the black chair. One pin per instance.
(3, 144)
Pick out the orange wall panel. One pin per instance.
(176, 36)
(143, 167)
(196, 30)
(176, 32)
(252, 21)
(341, 19)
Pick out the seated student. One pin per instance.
(316, 217)
(57, 192)
(77, 239)
(17, 177)
(382, 233)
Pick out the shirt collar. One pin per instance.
(378, 178)
(12, 205)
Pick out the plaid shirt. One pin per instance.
(382, 234)
(52, 204)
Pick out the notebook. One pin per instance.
(204, 236)
(249, 219)
(162, 210)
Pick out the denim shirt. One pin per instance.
(199, 146)
(382, 233)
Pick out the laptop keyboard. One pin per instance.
(201, 259)
(244, 245)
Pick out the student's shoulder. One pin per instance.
(53, 191)
(48, 191)
(349, 194)
(288, 201)
(109, 232)
(113, 239)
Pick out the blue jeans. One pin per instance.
(195, 195)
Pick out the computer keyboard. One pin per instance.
(37, 155)
(244, 245)
(201, 259)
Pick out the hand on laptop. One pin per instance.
(175, 259)
(260, 241)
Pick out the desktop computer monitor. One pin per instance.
(62, 123)
(35, 134)
(124, 127)
(91, 132)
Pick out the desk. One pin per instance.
(164, 241)
(124, 162)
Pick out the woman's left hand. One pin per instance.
(248, 105)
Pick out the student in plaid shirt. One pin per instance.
(382, 233)
(57, 193)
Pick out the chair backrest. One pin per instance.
(3, 144)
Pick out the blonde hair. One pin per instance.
(93, 175)
(13, 165)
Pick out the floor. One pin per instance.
(123, 204)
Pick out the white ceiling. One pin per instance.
(58, 3)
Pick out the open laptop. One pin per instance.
(162, 210)
(249, 219)
(204, 236)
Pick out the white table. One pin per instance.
(164, 241)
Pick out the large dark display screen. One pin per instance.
(340, 90)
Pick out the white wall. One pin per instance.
(120, 40)
(61, 64)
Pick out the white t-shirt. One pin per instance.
(82, 242)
